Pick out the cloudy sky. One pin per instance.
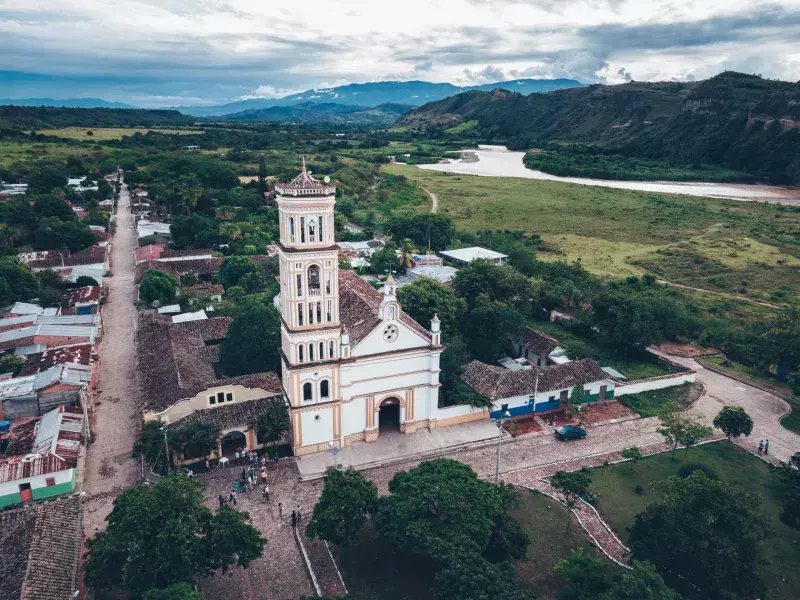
(171, 52)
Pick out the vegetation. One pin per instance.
(682, 429)
(163, 534)
(572, 485)
(734, 421)
(253, 339)
(346, 500)
(657, 402)
(272, 424)
(176, 591)
(158, 285)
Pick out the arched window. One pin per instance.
(291, 228)
(300, 314)
(324, 389)
(321, 221)
(390, 313)
(313, 280)
(308, 393)
(330, 350)
(312, 227)
(303, 229)
(311, 351)
(322, 350)
(310, 313)
(300, 353)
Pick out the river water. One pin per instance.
(499, 161)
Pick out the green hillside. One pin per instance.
(44, 117)
(740, 122)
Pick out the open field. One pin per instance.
(11, 152)
(373, 571)
(108, 133)
(620, 232)
(763, 380)
(618, 503)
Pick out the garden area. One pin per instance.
(626, 489)
(655, 402)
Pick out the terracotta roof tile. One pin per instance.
(36, 363)
(539, 343)
(228, 416)
(208, 330)
(90, 293)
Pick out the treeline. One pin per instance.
(42, 117)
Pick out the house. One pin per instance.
(80, 354)
(32, 395)
(427, 260)
(198, 315)
(539, 348)
(24, 308)
(156, 229)
(149, 252)
(40, 550)
(85, 300)
(178, 375)
(212, 291)
(539, 389)
(440, 273)
(465, 256)
(47, 450)
(190, 148)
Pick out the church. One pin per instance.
(353, 364)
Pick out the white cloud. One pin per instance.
(268, 91)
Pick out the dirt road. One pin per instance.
(114, 417)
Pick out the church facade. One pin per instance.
(353, 363)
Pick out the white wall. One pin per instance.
(317, 426)
(646, 385)
(354, 416)
(374, 342)
(37, 481)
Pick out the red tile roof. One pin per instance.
(190, 252)
(90, 293)
(539, 343)
(205, 289)
(228, 416)
(76, 354)
(149, 252)
(88, 256)
(208, 330)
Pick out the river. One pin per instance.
(499, 161)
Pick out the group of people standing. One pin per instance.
(763, 447)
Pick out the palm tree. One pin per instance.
(271, 424)
(199, 439)
(230, 230)
(407, 251)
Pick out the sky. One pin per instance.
(153, 53)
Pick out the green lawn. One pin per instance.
(373, 571)
(634, 366)
(618, 503)
(762, 380)
(652, 403)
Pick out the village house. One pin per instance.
(539, 348)
(32, 395)
(465, 256)
(84, 300)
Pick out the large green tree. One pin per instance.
(17, 282)
(733, 421)
(500, 283)
(176, 591)
(158, 285)
(161, 534)
(272, 423)
(572, 485)
(468, 577)
(425, 297)
(253, 340)
(491, 325)
(346, 500)
(704, 536)
(679, 429)
(585, 576)
(426, 230)
(236, 268)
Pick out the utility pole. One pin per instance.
(166, 447)
(504, 416)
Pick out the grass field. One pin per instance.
(108, 133)
(11, 152)
(763, 380)
(618, 503)
(633, 366)
(373, 571)
(652, 403)
(620, 232)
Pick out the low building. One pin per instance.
(160, 231)
(539, 389)
(427, 260)
(441, 274)
(85, 300)
(33, 395)
(47, 450)
(539, 348)
(78, 354)
(198, 315)
(465, 256)
(149, 252)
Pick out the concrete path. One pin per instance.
(113, 413)
(434, 200)
(764, 408)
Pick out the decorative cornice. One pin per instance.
(283, 248)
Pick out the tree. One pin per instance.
(11, 363)
(576, 398)
(426, 230)
(791, 500)
(149, 445)
(158, 285)
(585, 576)
(347, 497)
(642, 583)
(162, 534)
(702, 533)
(425, 512)
(733, 421)
(262, 175)
(572, 485)
(468, 577)
(86, 281)
(235, 268)
(425, 297)
(176, 591)
(199, 439)
(499, 283)
(253, 340)
(272, 423)
(492, 325)
(632, 454)
(679, 429)
(17, 282)
(384, 259)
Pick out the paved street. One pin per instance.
(114, 417)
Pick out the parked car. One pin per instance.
(569, 432)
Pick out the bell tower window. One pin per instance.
(324, 389)
(307, 392)
(311, 352)
(300, 314)
(312, 228)
(313, 280)
(299, 285)
(291, 229)
(303, 230)
(321, 221)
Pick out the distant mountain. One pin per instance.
(329, 113)
(414, 93)
(69, 103)
(739, 121)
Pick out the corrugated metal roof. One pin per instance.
(16, 334)
(86, 331)
(68, 320)
(25, 308)
(19, 386)
(8, 321)
(192, 316)
(31, 465)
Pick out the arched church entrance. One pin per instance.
(389, 415)
(231, 441)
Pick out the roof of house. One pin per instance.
(184, 253)
(205, 289)
(40, 548)
(60, 432)
(208, 330)
(149, 252)
(497, 382)
(88, 256)
(69, 320)
(19, 322)
(539, 343)
(25, 308)
(473, 253)
(198, 315)
(65, 374)
(228, 416)
(32, 465)
(91, 293)
(358, 308)
(173, 364)
(77, 353)
(19, 438)
(143, 267)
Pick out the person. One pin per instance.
(236, 456)
(232, 498)
(766, 447)
(244, 475)
(760, 446)
(265, 493)
(221, 500)
(190, 473)
(280, 509)
(250, 482)
(299, 514)
(263, 476)
(275, 460)
(294, 519)
(264, 461)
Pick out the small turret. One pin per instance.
(344, 343)
(390, 309)
(436, 335)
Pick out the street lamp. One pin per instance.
(334, 450)
(500, 421)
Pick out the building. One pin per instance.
(353, 363)
(59, 385)
(440, 273)
(539, 348)
(46, 451)
(465, 256)
(158, 230)
(539, 389)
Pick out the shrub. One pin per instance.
(690, 468)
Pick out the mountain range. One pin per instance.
(742, 122)
(69, 103)
(381, 116)
(414, 93)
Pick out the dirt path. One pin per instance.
(114, 416)
(731, 296)
(434, 200)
